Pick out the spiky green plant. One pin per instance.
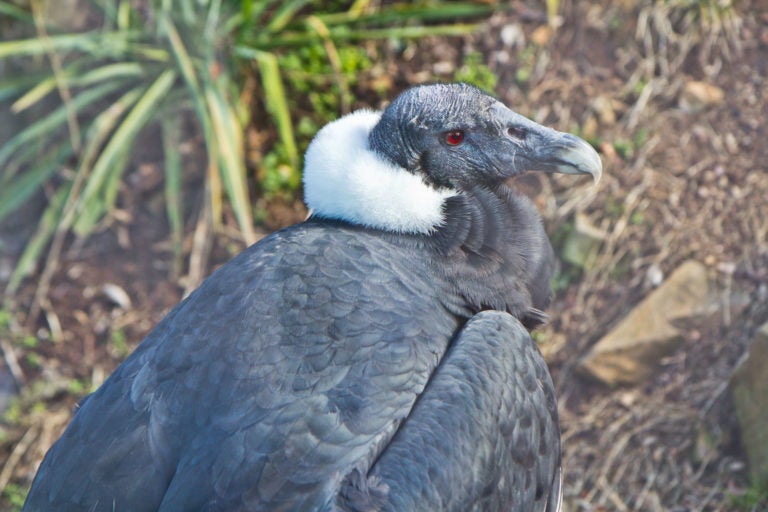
(102, 88)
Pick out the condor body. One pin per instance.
(374, 357)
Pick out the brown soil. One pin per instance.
(684, 178)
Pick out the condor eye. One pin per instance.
(454, 138)
(516, 133)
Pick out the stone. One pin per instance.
(542, 35)
(512, 35)
(749, 389)
(604, 107)
(632, 350)
(697, 96)
(583, 242)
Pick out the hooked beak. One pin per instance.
(547, 150)
(568, 154)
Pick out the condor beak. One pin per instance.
(572, 155)
(543, 149)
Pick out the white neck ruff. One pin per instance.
(345, 179)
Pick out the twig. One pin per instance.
(58, 73)
(13, 363)
(18, 451)
(51, 264)
(720, 390)
(54, 324)
(641, 104)
(612, 495)
(201, 245)
(651, 480)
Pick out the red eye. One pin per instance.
(454, 138)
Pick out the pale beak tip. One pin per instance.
(581, 158)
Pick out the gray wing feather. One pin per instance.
(484, 434)
(263, 389)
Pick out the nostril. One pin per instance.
(516, 132)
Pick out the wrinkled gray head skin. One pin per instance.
(457, 137)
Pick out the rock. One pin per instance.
(605, 109)
(512, 35)
(542, 35)
(749, 388)
(589, 126)
(583, 242)
(696, 96)
(630, 352)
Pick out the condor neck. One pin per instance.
(494, 247)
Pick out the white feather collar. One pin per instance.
(344, 179)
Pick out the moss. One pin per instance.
(474, 71)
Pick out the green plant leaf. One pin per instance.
(45, 230)
(76, 78)
(411, 14)
(121, 139)
(17, 191)
(13, 11)
(285, 14)
(186, 67)
(42, 129)
(93, 43)
(13, 86)
(269, 71)
(228, 133)
(173, 203)
(98, 132)
(198, 97)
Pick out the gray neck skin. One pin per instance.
(493, 253)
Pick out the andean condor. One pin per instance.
(373, 357)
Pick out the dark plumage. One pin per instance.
(366, 359)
